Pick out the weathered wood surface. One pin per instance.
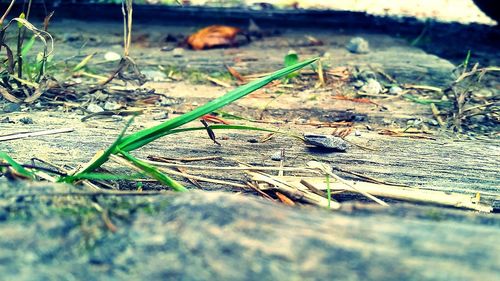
(467, 166)
(221, 236)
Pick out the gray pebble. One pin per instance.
(6, 120)
(160, 116)
(109, 105)
(358, 83)
(358, 45)
(94, 108)
(26, 120)
(357, 133)
(432, 122)
(154, 75)
(477, 119)
(11, 107)
(395, 90)
(372, 87)
(326, 141)
(164, 101)
(276, 156)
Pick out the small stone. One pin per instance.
(167, 48)
(94, 108)
(326, 141)
(358, 45)
(6, 120)
(154, 75)
(117, 117)
(164, 101)
(477, 119)
(387, 121)
(11, 107)
(276, 156)
(178, 52)
(358, 83)
(372, 87)
(395, 90)
(301, 121)
(109, 105)
(432, 122)
(100, 96)
(26, 120)
(112, 56)
(357, 133)
(160, 116)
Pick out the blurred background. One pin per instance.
(463, 11)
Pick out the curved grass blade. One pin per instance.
(153, 133)
(143, 142)
(16, 166)
(101, 176)
(105, 155)
(154, 172)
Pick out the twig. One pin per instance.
(326, 170)
(35, 167)
(230, 168)
(182, 159)
(436, 113)
(91, 193)
(35, 134)
(293, 191)
(7, 11)
(398, 193)
(169, 171)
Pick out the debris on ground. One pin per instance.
(358, 45)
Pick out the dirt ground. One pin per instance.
(392, 139)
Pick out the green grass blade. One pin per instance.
(143, 142)
(27, 46)
(101, 176)
(104, 157)
(155, 132)
(154, 172)
(16, 166)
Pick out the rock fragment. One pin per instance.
(358, 45)
(326, 142)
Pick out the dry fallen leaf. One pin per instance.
(213, 36)
(283, 198)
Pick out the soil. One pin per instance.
(228, 233)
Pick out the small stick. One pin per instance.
(181, 159)
(436, 113)
(122, 161)
(90, 193)
(324, 168)
(35, 134)
(399, 193)
(294, 191)
(255, 186)
(282, 163)
(230, 168)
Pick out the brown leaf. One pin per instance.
(213, 36)
(283, 198)
(235, 74)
